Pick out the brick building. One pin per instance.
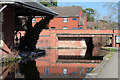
(68, 18)
(67, 30)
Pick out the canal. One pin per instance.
(57, 64)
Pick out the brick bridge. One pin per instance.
(73, 38)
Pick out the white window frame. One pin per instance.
(33, 20)
(65, 19)
(65, 71)
(65, 27)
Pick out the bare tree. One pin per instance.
(105, 18)
(113, 13)
(96, 15)
(112, 8)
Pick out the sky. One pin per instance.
(99, 6)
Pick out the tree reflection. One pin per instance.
(29, 70)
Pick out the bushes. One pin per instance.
(11, 59)
(6, 59)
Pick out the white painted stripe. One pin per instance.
(3, 8)
(1, 43)
(7, 2)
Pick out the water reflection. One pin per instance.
(63, 72)
(30, 70)
(8, 70)
(26, 71)
(51, 66)
(98, 52)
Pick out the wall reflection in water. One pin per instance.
(48, 67)
(30, 70)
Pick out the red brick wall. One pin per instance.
(48, 38)
(85, 22)
(72, 44)
(116, 33)
(79, 52)
(81, 31)
(8, 28)
(58, 23)
(52, 56)
(58, 70)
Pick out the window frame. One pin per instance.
(80, 27)
(33, 20)
(74, 28)
(47, 71)
(74, 19)
(65, 27)
(65, 19)
(53, 27)
(65, 71)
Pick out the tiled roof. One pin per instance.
(73, 11)
(32, 4)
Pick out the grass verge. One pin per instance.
(109, 49)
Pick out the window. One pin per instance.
(74, 28)
(64, 71)
(74, 72)
(117, 39)
(74, 19)
(80, 27)
(65, 19)
(33, 20)
(64, 27)
(46, 70)
(52, 27)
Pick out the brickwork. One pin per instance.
(57, 68)
(58, 23)
(72, 52)
(48, 38)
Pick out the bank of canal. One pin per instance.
(108, 68)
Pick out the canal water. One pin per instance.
(56, 64)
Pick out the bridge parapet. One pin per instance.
(83, 31)
(85, 35)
